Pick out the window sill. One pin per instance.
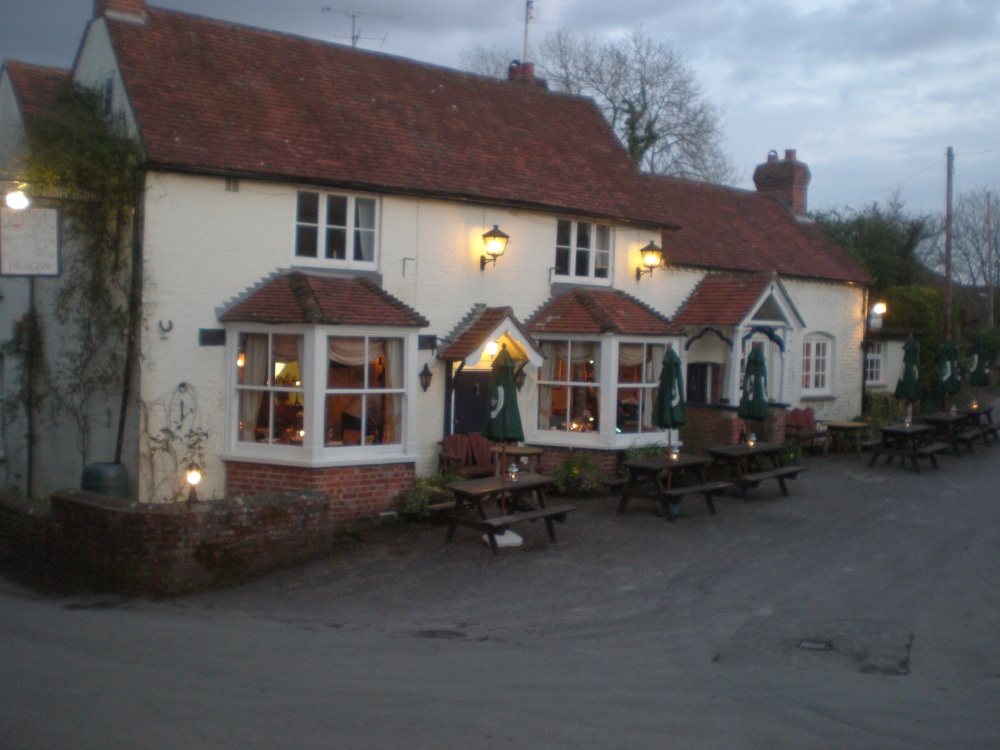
(349, 457)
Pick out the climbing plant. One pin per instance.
(82, 162)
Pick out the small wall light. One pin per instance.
(520, 376)
(425, 377)
(17, 200)
(492, 347)
(193, 477)
(496, 243)
(652, 254)
(875, 315)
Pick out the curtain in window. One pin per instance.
(254, 373)
(364, 234)
(393, 379)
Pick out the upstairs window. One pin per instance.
(336, 230)
(583, 250)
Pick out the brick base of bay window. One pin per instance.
(358, 492)
(607, 460)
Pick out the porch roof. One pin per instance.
(479, 326)
(597, 311)
(321, 299)
(723, 299)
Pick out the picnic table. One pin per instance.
(982, 418)
(519, 501)
(954, 428)
(752, 464)
(907, 441)
(844, 434)
(665, 480)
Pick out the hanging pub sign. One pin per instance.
(29, 242)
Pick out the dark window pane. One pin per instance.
(582, 262)
(583, 235)
(308, 208)
(563, 230)
(336, 210)
(562, 261)
(305, 241)
(336, 244)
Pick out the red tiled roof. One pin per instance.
(35, 86)
(321, 300)
(722, 299)
(738, 230)
(596, 311)
(479, 324)
(217, 97)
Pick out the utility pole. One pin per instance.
(991, 256)
(948, 221)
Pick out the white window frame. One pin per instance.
(321, 228)
(606, 436)
(313, 371)
(817, 365)
(573, 249)
(875, 361)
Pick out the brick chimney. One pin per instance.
(787, 178)
(524, 73)
(134, 10)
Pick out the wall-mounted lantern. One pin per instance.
(875, 316)
(495, 242)
(520, 376)
(193, 477)
(651, 255)
(17, 200)
(425, 376)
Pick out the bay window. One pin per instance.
(638, 378)
(569, 386)
(317, 395)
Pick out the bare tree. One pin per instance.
(649, 97)
(976, 243)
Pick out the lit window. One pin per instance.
(364, 390)
(269, 389)
(569, 386)
(638, 377)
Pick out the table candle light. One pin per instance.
(751, 439)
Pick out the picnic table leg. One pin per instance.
(550, 527)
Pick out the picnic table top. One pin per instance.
(945, 418)
(744, 450)
(850, 425)
(663, 463)
(902, 429)
(486, 486)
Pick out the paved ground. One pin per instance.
(861, 612)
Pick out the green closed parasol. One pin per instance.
(979, 367)
(668, 409)
(503, 424)
(753, 402)
(908, 386)
(950, 378)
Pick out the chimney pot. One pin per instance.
(787, 179)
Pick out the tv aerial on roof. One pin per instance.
(354, 15)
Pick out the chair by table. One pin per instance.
(747, 467)
(665, 480)
(520, 500)
(907, 441)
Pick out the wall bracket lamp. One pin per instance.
(425, 376)
(651, 255)
(496, 243)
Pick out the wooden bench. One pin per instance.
(967, 437)
(708, 489)
(930, 451)
(801, 426)
(498, 524)
(756, 477)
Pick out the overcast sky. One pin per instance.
(870, 92)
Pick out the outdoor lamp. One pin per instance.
(492, 348)
(519, 377)
(674, 453)
(425, 377)
(193, 477)
(751, 439)
(17, 200)
(496, 243)
(652, 254)
(875, 315)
